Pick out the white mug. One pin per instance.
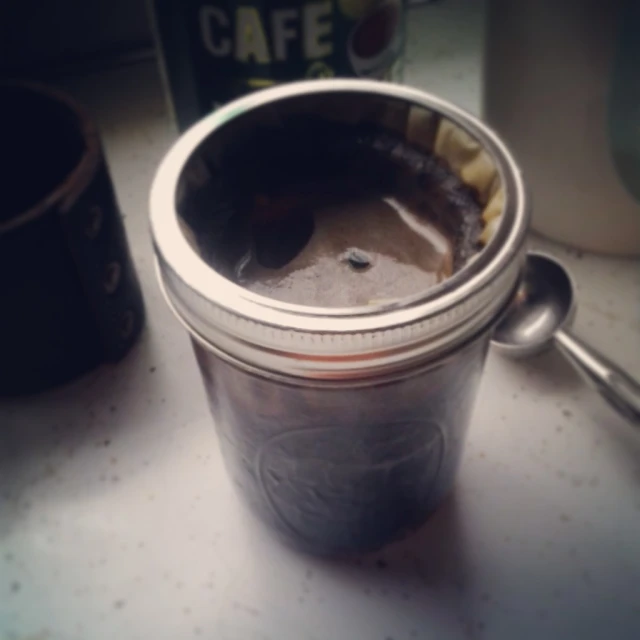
(562, 88)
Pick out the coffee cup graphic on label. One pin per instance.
(375, 41)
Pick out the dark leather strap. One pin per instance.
(69, 295)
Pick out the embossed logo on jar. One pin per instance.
(345, 487)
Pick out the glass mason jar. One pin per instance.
(342, 428)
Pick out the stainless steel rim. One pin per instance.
(319, 341)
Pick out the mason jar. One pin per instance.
(342, 428)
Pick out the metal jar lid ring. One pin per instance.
(338, 342)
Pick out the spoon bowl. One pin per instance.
(539, 317)
(543, 304)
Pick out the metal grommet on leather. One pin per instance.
(112, 274)
(94, 221)
(127, 324)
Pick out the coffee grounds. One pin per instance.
(324, 214)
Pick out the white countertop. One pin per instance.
(117, 520)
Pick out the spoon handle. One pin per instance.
(616, 386)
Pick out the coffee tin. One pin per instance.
(213, 51)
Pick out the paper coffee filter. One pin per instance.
(421, 127)
(431, 132)
(474, 166)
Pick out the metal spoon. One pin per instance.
(538, 318)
